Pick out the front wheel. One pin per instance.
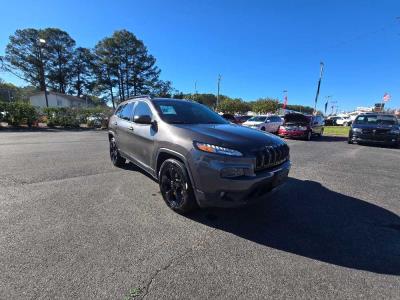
(175, 186)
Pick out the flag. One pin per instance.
(285, 102)
(386, 97)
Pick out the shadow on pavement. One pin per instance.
(308, 219)
(328, 138)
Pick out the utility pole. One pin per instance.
(43, 41)
(321, 72)
(218, 85)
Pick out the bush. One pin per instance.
(73, 117)
(18, 113)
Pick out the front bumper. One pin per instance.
(212, 190)
(387, 139)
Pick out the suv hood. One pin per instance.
(296, 119)
(232, 136)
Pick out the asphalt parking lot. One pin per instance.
(74, 226)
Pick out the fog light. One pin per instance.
(232, 172)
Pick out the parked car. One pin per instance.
(242, 119)
(265, 123)
(375, 128)
(231, 118)
(198, 158)
(338, 121)
(344, 121)
(297, 125)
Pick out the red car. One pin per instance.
(301, 126)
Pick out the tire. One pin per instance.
(309, 136)
(345, 124)
(262, 128)
(116, 158)
(175, 186)
(350, 141)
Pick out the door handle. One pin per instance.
(131, 128)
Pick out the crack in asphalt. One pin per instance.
(172, 261)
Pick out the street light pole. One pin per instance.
(321, 71)
(43, 41)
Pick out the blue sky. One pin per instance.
(260, 47)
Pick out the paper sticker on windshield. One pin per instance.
(168, 110)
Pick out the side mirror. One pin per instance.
(142, 119)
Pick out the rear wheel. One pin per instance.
(116, 158)
(175, 186)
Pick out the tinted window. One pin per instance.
(142, 109)
(258, 119)
(185, 112)
(126, 112)
(376, 119)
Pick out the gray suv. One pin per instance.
(198, 158)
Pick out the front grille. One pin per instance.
(271, 156)
(376, 131)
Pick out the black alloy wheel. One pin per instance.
(175, 186)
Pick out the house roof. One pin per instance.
(70, 97)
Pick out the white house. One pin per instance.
(58, 100)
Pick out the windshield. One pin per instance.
(376, 120)
(185, 112)
(257, 119)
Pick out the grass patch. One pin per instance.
(337, 130)
(133, 293)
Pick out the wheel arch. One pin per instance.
(163, 154)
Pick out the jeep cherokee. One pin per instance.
(198, 158)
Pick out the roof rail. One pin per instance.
(141, 96)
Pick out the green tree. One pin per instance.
(82, 78)
(58, 52)
(125, 68)
(228, 105)
(23, 57)
(265, 105)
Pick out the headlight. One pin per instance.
(216, 149)
(395, 131)
(356, 129)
